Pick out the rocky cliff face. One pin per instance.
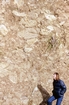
(34, 43)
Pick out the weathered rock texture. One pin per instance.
(34, 43)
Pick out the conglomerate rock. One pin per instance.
(34, 43)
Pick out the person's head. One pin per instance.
(56, 76)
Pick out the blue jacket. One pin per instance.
(59, 88)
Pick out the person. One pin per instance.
(59, 88)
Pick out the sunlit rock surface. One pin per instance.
(34, 43)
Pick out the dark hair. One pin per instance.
(57, 75)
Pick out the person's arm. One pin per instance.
(53, 86)
(63, 87)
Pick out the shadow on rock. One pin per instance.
(45, 94)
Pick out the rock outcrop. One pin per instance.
(34, 43)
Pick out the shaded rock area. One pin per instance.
(34, 43)
(45, 94)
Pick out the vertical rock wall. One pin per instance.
(34, 43)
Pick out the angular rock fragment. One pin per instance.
(19, 14)
(13, 77)
(3, 29)
(50, 17)
(28, 33)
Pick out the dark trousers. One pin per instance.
(52, 98)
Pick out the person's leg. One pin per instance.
(59, 100)
(49, 101)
